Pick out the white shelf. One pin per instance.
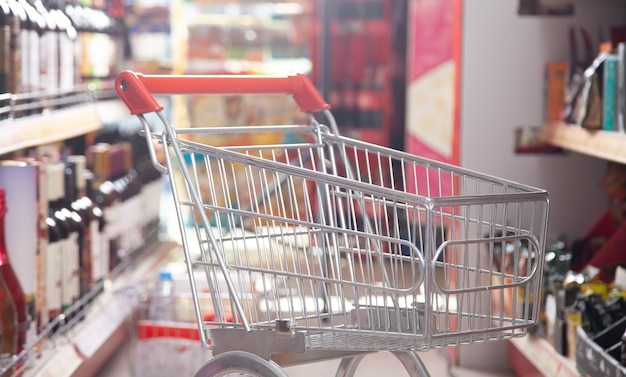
(84, 349)
(606, 145)
(57, 125)
(531, 354)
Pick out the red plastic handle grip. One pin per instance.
(136, 89)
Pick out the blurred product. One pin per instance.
(57, 237)
(8, 325)
(163, 304)
(10, 278)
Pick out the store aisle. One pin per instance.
(374, 365)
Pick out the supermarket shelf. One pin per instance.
(607, 145)
(90, 343)
(533, 356)
(237, 66)
(56, 125)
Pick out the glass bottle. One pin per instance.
(11, 280)
(97, 49)
(15, 46)
(23, 84)
(48, 50)
(8, 325)
(105, 196)
(57, 239)
(66, 39)
(96, 231)
(75, 252)
(5, 40)
(36, 26)
(77, 164)
(9, 42)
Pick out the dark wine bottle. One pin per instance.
(8, 325)
(78, 164)
(57, 238)
(11, 280)
(99, 248)
(76, 233)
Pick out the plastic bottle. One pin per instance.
(162, 305)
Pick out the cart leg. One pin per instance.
(240, 363)
(410, 360)
(348, 366)
(412, 363)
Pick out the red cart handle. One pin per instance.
(136, 89)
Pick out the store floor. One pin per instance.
(374, 365)
(126, 363)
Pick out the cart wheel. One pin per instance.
(411, 362)
(239, 363)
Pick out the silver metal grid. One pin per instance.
(354, 245)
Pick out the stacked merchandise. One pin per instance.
(584, 289)
(588, 90)
(53, 50)
(74, 218)
(358, 33)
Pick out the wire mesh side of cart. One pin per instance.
(353, 257)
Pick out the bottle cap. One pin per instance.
(165, 274)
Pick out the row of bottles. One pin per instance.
(359, 104)
(14, 319)
(70, 221)
(51, 46)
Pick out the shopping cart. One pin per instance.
(340, 236)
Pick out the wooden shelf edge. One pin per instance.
(606, 145)
(534, 356)
(57, 125)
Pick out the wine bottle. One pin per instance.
(48, 51)
(119, 184)
(8, 325)
(76, 16)
(151, 188)
(77, 164)
(75, 225)
(23, 85)
(97, 46)
(66, 38)
(15, 47)
(9, 39)
(69, 244)
(99, 248)
(33, 200)
(57, 237)
(105, 196)
(36, 25)
(10, 278)
(134, 205)
(6, 20)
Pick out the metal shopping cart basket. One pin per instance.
(346, 259)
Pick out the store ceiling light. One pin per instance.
(288, 8)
